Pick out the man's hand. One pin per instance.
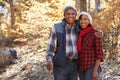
(99, 34)
(50, 65)
(50, 68)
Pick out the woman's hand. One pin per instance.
(95, 75)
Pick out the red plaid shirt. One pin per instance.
(92, 51)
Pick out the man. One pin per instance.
(62, 47)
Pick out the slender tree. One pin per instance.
(89, 5)
(81, 5)
(97, 4)
(12, 13)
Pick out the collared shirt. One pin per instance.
(71, 42)
(92, 51)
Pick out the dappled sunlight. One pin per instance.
(29, 36)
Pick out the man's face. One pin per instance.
(70, 16)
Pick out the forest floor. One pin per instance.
(31, 65)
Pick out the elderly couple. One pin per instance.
(75, 48)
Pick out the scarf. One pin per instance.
(82, 34)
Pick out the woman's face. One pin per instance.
(84, 21)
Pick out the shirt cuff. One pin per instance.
(49, 57)
(100, 58)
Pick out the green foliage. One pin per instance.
(42, 43)
(57, 1)
(2, 4)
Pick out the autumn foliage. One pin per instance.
(109, 18)
(34, 19)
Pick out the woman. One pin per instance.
(90, 50)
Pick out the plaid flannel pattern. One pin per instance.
(92, 51)
(51, 47)
(71, 42)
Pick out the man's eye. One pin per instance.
(70, 13)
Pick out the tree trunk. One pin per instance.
(88, 5)
(97, 4)
(12, 13)
(77, 5)
(81, 5)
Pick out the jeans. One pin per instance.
(69, 72)
(87, 75)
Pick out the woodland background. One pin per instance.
(25, 26)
